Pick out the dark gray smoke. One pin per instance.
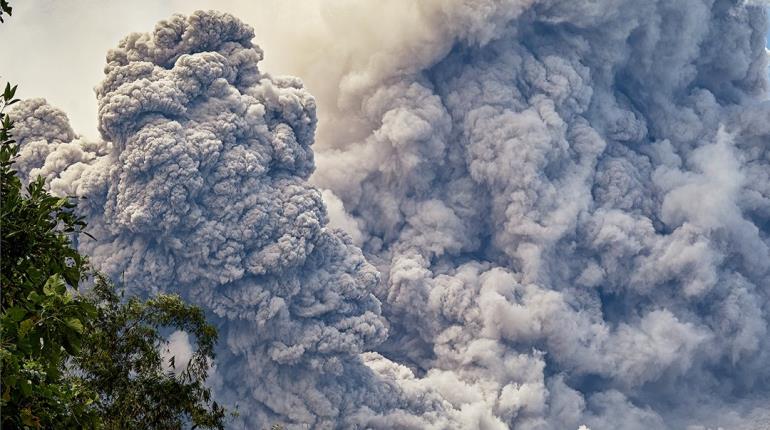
(568, 204)
(202, 191)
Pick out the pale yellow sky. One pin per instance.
(340, 48)
(57, 48)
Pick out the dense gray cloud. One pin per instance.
(562, 210)
(202, 191)
(586, 190)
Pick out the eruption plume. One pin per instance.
(557, 214)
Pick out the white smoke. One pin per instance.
(568, 204)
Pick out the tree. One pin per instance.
(72, 359)
(85, 360)
(122, 362)
(41, 321)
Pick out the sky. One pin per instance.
(70, 40)
(64, 44)
(318, 41)
(464, 214)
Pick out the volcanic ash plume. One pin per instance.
(567, 205)
(571, 215)
(202, 190)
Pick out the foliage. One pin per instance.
(121, 359)
(41, 321)
(5, 8)
(73, 360)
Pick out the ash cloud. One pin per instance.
(202, 191)
(577, 194)
(562, 210)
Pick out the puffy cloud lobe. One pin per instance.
(39, 129)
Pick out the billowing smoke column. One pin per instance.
(572, 214)
(202, 191)
(568, 204)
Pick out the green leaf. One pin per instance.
(54, 285)
(26, 326)
(72, 275)
(66, 297)
(26, 416)
(16, 313)
(34, 297)
(75, 324)
(72, 344)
